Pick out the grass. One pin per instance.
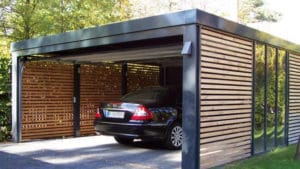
(280, 158)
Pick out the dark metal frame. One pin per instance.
(76, 101)
(276, 98)
(265, 96)
(191, 100)
(20, 64)
(287, 96)
(253, 97)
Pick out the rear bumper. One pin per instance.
(142, 131)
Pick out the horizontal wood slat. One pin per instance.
(226, 97)
(294, 98)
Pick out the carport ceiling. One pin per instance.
(153, 54)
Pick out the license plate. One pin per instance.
(114, 114)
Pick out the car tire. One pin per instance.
(124, 140)
(174, 137)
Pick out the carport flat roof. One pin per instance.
(106, 35)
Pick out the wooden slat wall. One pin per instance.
(99, 83)
(226, 98)
(47, 109)
(294, 98)
(140, 76)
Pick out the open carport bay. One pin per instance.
(66, 89)
(93, 152)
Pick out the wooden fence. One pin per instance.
(226, 97)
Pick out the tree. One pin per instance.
(253, 11)
(24, 19)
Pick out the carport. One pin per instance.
(215, 56)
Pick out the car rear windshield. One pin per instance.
(144, 96)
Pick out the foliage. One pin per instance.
(260, 82)
(252, 11)
(23, 19)
(280, 158)
(4, 98)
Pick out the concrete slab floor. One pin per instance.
(92, 152)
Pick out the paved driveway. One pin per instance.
(94, 152)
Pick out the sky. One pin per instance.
(288, 27)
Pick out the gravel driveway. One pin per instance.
(93, 152)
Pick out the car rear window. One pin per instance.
(146, 95)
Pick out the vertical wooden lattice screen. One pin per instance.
(47, 107)
(102, 83)
(139, 76)
(98, 83)
(294, 98)
(47, 95)
(226, 98)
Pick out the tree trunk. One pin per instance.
(297, 155)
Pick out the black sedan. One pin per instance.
(152, 113)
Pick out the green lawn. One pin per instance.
(280, 158)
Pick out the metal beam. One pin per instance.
(253, 98)
(100, 41)
(265, 95)
(166, 21)
(276, 98)
(191, 100)
(16, 113)
(287, 97)
(76, 101)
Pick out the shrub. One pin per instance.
(5, 105)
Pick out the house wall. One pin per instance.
(226, 97)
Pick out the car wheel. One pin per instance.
(174, 137)
(123, 140)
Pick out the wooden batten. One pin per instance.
(226, 97)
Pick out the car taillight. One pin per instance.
(98, 115)
(142, 113)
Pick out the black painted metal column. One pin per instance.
(287, 96)
(76, 101)
(276, 99)
(253, 97)
(20, 64)
(265, 96)
(191, 100)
